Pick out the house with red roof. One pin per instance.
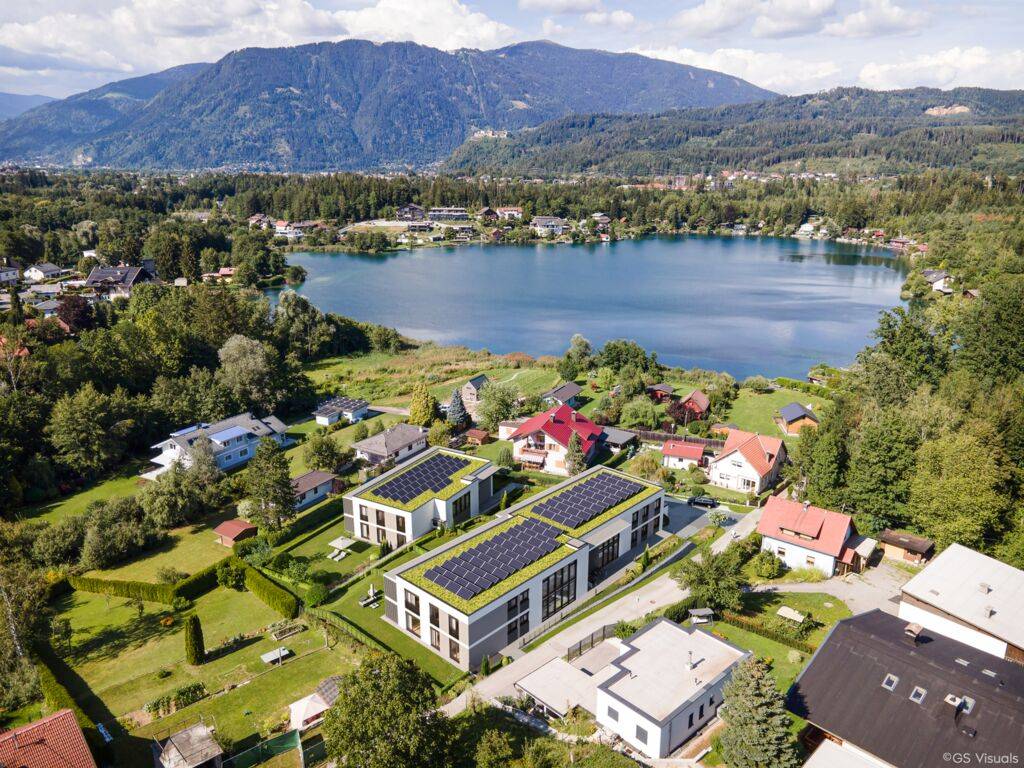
(542, 441)
(748, 462)
(678, 454)
(805, 536)
(696, 404)
(55, 740)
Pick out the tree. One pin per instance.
(300, 328)
(88, 430)
(440, 433)
(457, 415)
(360, 432)
(881, 467)
(758, 384)
(645, 464)
(605, 378)
(406, 730)
(195, 650)
(76, 312)
(494, 750)
(251, 372)
(423, 408)
(324, 453)
(991, 332)
(498, 402)
(639, 412)
(714, 580)
(505, 457)
(575, 459)
(757, 726)
(269, 485)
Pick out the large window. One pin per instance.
(605, 553)
(400, 524)
(435, 616)
(363, 513)
(460, 508)
(453, 627)
(517, 628)
(453, 650)
(412, 623)
(518, 604)
(380, 517)
(435, 639)
(412, 602)
(364, 531)
(559, 590)
(641, 735)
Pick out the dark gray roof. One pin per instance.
(264, 427)
(616, 436)
(841, 692)
(46, 268)
(340, 405)
(390, 440)
(563, 392)
(478, 381)
(310, 480)
(117, 276)
(934, 275)
(794, 411)
(907, 541)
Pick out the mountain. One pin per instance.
(351, 105)
(13, 104)
(841, 129)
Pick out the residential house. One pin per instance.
(448, 214)
(54, 741)
(542, 441)
(48, 308)
(308, 712)
(898, 545)
(548, 226)
(411, 212)
(392, 445)
(602, 220)
(37, 273)
(230, 531)
(348, 408)
(508, 213)
(748, 462)
(507, 427)
(471, 392)
(806, 230)
(312, 487)
(564, 394)
(487, 214)
(114, 282)
(232, 440)
(10, 272)
(193, 747)
(261, 221)
(441, 488)
(222, 275)
(696, 404)
(906, 696)
(970, 597)
(805, 536)
(794, 417)
(679, 454)
(660, 392)
(471, 597)
(939, 279)
(615, 439)
(419, 226)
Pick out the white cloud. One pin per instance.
(712, 17)
(783, 18)
(975, 66)
(560, 6)
(878, 17)
(550, 28)
(774, 71)
(620, 19)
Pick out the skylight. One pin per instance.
(890, 682)
(917, 695)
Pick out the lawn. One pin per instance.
(825, 609)
(122, 483)
(343, 436)
(783, 669)
(314, 546)
(756, 413)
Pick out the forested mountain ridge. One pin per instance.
(14, 104)
(889, 131)
(352, 105)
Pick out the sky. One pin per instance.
(60, 47)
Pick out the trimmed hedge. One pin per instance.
(758, 628)
(274, 596)
(680, 612)
(58, 697)
(199, 583)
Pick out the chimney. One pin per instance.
(913, 632)
(689, 659)
(988, 611)
(984, 588)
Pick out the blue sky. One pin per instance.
(58, 47)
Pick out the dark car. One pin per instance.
(702, 501)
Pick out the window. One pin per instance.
(412, 623)
(689, 723)
(364, 531)
(435, 616)
(636, 518)
(809, 560)
(700, 713)
(917, 695)
(634, 537)
(435, 639)
(380, 535)
(517, 628)
(605, 553)
(400, 540)
(453, 626)
(711, 701)
(400, 524)
(641, 735)
(412, 602)
(453, 650)
(518, 604)
(558, 591)
(363, 513)
(380, 517)
(781, 551)
(460, 508)
(613, 714)
(890, 682)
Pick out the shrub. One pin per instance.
(485, 666)
(56, 696)
(133, 590)
(274, 596)
(170, 575)
(766, 565)
(231, 576)
(759, 627)
(812, 575)
(317, 594)
(679, 612)
(505, 457)
(195, 650)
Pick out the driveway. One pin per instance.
(878, 587)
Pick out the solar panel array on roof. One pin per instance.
(494, 560)
(433, 474)
(583, 502)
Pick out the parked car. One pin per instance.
(702, 501)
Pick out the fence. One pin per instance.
(597, 636)
(660, 437)
(265, 750)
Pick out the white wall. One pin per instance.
(627, 724)
(796, 556)
(948, 628)
(677, 462)
(726, 474)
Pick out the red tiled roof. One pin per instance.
(762, 452)
(699, 399)
(559, 423)
(783, 519)
(55, 741)
(231, 529)
(682, 450)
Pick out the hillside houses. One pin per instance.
(116, 282)
(548, 226)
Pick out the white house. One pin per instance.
(804, 536)
(9, 273)
(309, 711)
(348, 408)
(510, 212)
(42, 271)
(939, 279)
(543, 226)
(312, 487)
(542, 441)
(969, 597)
(233, 442)
(395, 444)
(748, 462)
(678, 454)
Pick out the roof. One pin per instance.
(46, 267)
(391, 440)
(616, 436)
(232, 529)
(55, 740)
(540, 221)
(811, 527)
(934, 275)
(795, 411)
(682, 450)
(907, 541)
(761, 452)
(117, 276)
(439, 473)
(340, 405)
(844, 681)
(668, 389)
(699, 399)
(228, 434)
(310, 480)
(832, 755)
(559, 423)
(648, 685)
(975, 588)
(560, 686)
(258, 427)
(478, 381)
(190, 747)
(563, 392)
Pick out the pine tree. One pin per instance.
(423, 407)
(195, 650)
(757, 726)
(575, 460)
(457, 415)
(268, 483)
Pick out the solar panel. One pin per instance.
(583, 502)
(433, 474)
(495, 559)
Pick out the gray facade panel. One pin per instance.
(390, 610)
(489, 622)
(390, 588)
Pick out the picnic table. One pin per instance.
(275, 656)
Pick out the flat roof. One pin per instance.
(437, 474)
(832, 755)
(975, 588)
(560, 686)
(655, 677)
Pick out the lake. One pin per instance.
(743, 305)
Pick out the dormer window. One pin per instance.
(917, 695)
(889, 683)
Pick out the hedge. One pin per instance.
(758, 628)
(58, 697)
(199, 583)
(274, 596)
(804, 386)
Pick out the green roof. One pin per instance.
(475, 465)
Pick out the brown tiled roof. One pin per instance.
(55, 741)
(231, 529)
(310, 480)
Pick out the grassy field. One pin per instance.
(825, 609)
(123, 483)
(315, 547)
(756, 413)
